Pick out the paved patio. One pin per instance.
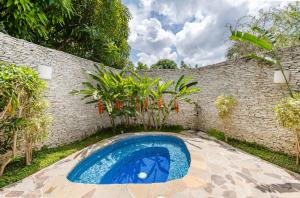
(217, 170)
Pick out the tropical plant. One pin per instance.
(266, 42)
(134, 98)
(164, 64)
(283, 23)
(20, 88)
(182, 89)
(225, 104)
(288, 115)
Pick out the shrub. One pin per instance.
(21, 105)
(288, 115)
(225, 105)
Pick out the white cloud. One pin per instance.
(150, 58)
(200, 38)
(150, 37)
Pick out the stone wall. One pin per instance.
(252, 85)
(72, 118)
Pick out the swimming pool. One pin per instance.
(137, 159)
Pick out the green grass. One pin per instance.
(17, 170)
(278, 158)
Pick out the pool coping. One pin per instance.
(52, 181)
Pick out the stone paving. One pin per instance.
(217, 170)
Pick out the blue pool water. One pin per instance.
(138, 159)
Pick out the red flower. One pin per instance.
(100, 107)
(176, 106)
(160, 103)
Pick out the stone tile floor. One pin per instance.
(217, 170)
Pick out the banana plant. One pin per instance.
(143, 86)
(265, 41)
(158, 102)
(182, 89)
(107, 88)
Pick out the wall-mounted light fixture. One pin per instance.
(279, 78)
(45, 72)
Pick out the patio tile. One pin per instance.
(215, 171)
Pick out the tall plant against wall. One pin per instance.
(267, 43)
(130, 96)
(225, 105)
(288, 115)
(287, 110)
(20, 93)
(182, 89)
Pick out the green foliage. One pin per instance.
(142, 66)
(32, 20)
(184, 65)
(280, 159)
(288, 112)
(283, 24)
(135, 98)
(92, 29)
(164, 64)
(254, 40)
(47, 156)
(225, 105)
(264, 40)
(22, 110)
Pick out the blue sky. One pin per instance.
(190, 30)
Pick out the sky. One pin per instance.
(190, 30)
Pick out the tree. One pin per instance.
(92, 29)
(32, 20)
(282, 23)
(183, 65)
(164, 64)
(130, 66)
(142, 66)
(22, 112)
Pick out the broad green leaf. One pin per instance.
(254, 40)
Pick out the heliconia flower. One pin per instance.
(119, 105)
(176, 106)
(160, 103)
(138, 107)
(146, 103)
(100, 107)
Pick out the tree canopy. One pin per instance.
(165, 64)
(142, 66)
(92, 29)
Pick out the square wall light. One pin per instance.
(279, 78)
(45, 72)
